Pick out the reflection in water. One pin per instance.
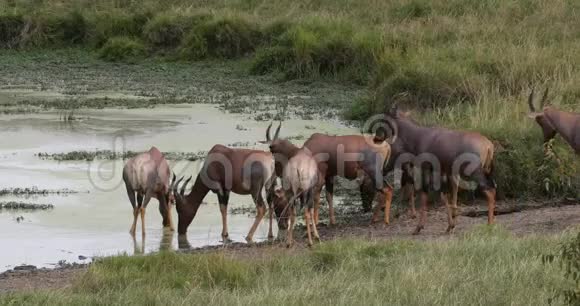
(138, 249)
(166, 242)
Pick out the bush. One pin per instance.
(116, 24)
(11, 26)
(315, 49)
(193, 47)
(230, 37)
(166, 30)
(122, 49)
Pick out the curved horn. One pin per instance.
(277, 131)
(395, 131)
(268, 138)
(184, 185)
(177, 185)
(172, 182)
(544, 97)
(531, 101)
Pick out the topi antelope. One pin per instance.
(147, 175)
(352, 157)
(553, 121)
(440, 153)
(226, 170)
(299, 180)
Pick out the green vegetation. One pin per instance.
(486, 266)
(569, 259)
(122, 49)
(463, 64)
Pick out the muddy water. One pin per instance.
(95, 221)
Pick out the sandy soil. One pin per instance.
(535, 218)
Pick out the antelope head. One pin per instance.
(540, 116)
(280, 205)
(185, 211)
(282, 149)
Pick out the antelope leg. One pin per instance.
(423, 213)
(454, 192)
(450, 218)
(143, 221)
(135, 216)
(261, 212)
(224, 212)
(289, 237)
(270, 217)
(315, 229)
(490, 195)
(409, 190)
(307, 220)
(388, 194)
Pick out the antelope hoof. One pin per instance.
(310, 244)
(270, 237)
(289, 245)
(417, 230)
(249, 240)
(317, 239)
(413, 215)
(226, 239)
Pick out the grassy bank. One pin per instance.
(463, 64)
(486, 266)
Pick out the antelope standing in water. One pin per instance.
(299, 180)
(147, 176)
(226, 170)
(442, 153)
(553, 121)
(352, 157)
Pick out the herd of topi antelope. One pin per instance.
(426, 157)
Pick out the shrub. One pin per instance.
(115, 24)
(193, 47)
(166, 30)
(122, 49)
(230, 37)
(11, 26)
(316, 48)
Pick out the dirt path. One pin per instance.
(554, 218)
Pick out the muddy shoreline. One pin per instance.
(533, 218)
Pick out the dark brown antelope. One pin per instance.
(441, 154)
(147, 176)
(553, 121)
(226, 170)
(352, 157)
(299, 181)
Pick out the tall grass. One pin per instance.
(486, 266)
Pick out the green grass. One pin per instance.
(485, 266)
